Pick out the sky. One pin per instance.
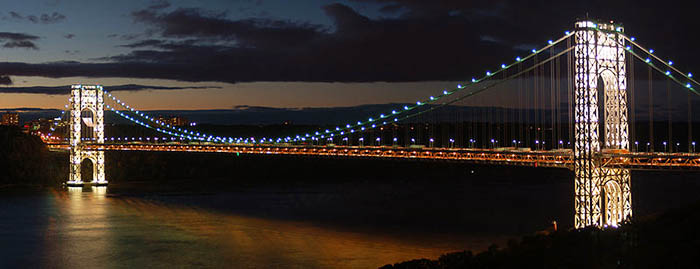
(199, 54)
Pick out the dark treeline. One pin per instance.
(25, 160)
(669, 240)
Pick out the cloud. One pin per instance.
(358, 49)
(198, 45)
(144, 43)
(159, 4)
(16, 16)
(17, 36)
(488, 38)
(195, 23)
(18, 40)
(423, 40)
(44, 18)
(346, 18)
(127, 37)
(20, 44)
(390, 9)
(51, 18)
(5, 80)
(55, 90)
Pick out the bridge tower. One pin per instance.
(86, 126)
(602, 195)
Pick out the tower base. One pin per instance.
(82, 183)
(99, 184)
(75, 183)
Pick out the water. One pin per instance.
(343, 225)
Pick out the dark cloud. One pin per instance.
(392, 8)
(5, 80)
(188, 23)
(159, 4)
(51, 90)
(346, 18)
(51, 18)
(54, 17)
(144, 43)
(17, 36)
(427, 9)
(20, 44)
(422, 40)
(129, 36)
(18, 40)
(16, 16)
(196, 45)
(358, 49)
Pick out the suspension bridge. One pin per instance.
(591, 101)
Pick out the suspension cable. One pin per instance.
(475, 92)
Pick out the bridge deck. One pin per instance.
(503, 156)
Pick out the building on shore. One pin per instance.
(10, 118)
(173, 121)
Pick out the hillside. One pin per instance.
(668, 240)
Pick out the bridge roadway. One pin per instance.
(562, 158)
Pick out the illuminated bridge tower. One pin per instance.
(602, 195)
(86, 126)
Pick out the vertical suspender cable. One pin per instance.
(472, 121)
(570, 97)
(552, 97)
(540, 104)
(489, 134)
(526, 110)
(504, 114)
(668, 114)
(545, 106)
(529, 106)
(458, 125)
(484, 123)
(557, 102)
(521, 100)
(690, 123)
(651, 114)
(515, 116)
(513, 113)
(536, 91)
(633, 111)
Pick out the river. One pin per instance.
(363, 224)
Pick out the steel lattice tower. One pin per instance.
(86, 98)
(602, 195)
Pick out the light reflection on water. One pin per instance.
(77, 235)
(90, 229)
(101, 227)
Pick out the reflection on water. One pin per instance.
(100, 227)
(88, 228)
(77, 236)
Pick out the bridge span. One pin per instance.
(571, 105)
(501, 156)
